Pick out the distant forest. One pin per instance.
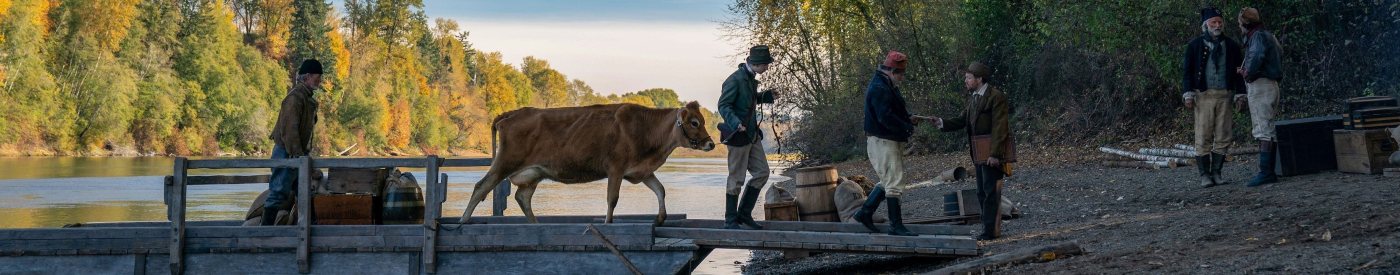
(202, 77)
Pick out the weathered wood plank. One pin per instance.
(161, 224)
(75, 244)
(544, 229)
(703, 235)
(950, 230)
(369, 162)
(177, 218)
(83, 233)
(430, 224)
(557, 219)
(1026, 255)
(304, 215)
(241, 163)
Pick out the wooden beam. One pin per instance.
(614, 250)
(177, 219)
(1026, 255)
(705, 236)
(369, 162)
(430, 221)
(558, 218)
(303, 215)
(242, 163)
(949, 230)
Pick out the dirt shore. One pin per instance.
(1155, 221)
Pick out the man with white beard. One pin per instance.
(1209, 87)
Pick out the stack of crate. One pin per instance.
(1371, 112)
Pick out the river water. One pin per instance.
(53, 191)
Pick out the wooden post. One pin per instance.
(499, 199)
(431, 216)
(177, 219)
(304, 215)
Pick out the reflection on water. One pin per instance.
(51, 192)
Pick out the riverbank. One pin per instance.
(1157, 221)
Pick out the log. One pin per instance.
(1233, 151)
(1154, 165)
(1027, 255)
(1165, 152)
(1136, 156)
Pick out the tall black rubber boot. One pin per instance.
(731, 215)
(745, 212)
(867, 211)
(896, 219)
(1203, 165)
(269, 216)
(1266, 165)
(1217, 163)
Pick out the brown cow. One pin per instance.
(583, 144)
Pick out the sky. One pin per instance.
(615, 46)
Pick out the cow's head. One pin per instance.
(692, 124)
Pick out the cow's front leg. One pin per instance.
(527, 180)
(655, 185)
(614, 186)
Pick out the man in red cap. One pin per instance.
(888, 126)
(987, 122)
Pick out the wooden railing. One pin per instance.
(435, 194)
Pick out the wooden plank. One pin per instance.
(161, 224)
(227, 179)
(614, 250)
(952, 230)
(177, 221)
(430, 225)
(75, 244)
(83, 233)
(704, 235)
(558, 219)
(241, 163)
(466, 162)
(304, 215)
(368, 162)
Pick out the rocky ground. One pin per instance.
(1155, 221)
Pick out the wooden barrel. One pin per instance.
(403, 202)
(816, 189)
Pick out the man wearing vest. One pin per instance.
(738, 102)
(1210, 87)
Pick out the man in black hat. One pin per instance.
(1210, 86)
(292, 138)
(737, 106)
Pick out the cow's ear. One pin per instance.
(693, 105)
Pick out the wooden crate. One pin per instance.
(1303, 145)
(343, 209)
(1363, 151)
(354, 180)
(966, 203)
(780, 211)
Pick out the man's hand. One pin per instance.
(1241, 103)
(1242, 71)
(741, 128)
(914, 120)
(1190, 103)
(993, 162)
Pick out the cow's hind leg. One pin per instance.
(614, 186)
(479, 192)
(655, 185)
(527, 180)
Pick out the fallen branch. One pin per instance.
(1136, 156)
(1154, 165)
(1028, 255)
(347, 149)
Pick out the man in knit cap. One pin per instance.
(738, 102)
(291, 138)
(1262, 70)
(987, 121)
(1210, 87)
(888, 126)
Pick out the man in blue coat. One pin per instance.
(740, 132)
(888, 126)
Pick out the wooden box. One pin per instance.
(780, 211)
(1367, 102)
(961, 203)
(1302, 145)
(354, 180)
(343, 209)
(1363, 151)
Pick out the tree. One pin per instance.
(552, 87)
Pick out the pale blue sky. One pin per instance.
(615, 46)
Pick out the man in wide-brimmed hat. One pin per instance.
(291, 138)
(738, 102)
(888, 126)
(987, 121)
(1262, 70)
(1210, 87)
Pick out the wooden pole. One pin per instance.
(304, 215)
(1112, 151)
(1028, 255)
(612, 247)
(177, 219)
(430, 221)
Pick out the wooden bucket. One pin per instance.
(816, 189)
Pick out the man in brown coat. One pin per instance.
(986, 117)
(292, 138)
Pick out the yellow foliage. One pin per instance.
(342, 53)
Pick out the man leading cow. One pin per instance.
(737, 107)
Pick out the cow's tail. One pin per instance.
(495, 129)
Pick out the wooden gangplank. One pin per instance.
(933, 240)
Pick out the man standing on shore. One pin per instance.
(1210, 87)
(292, 138)
(987, 122)
(1262, 70)
(738, 102)
(888, 126)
